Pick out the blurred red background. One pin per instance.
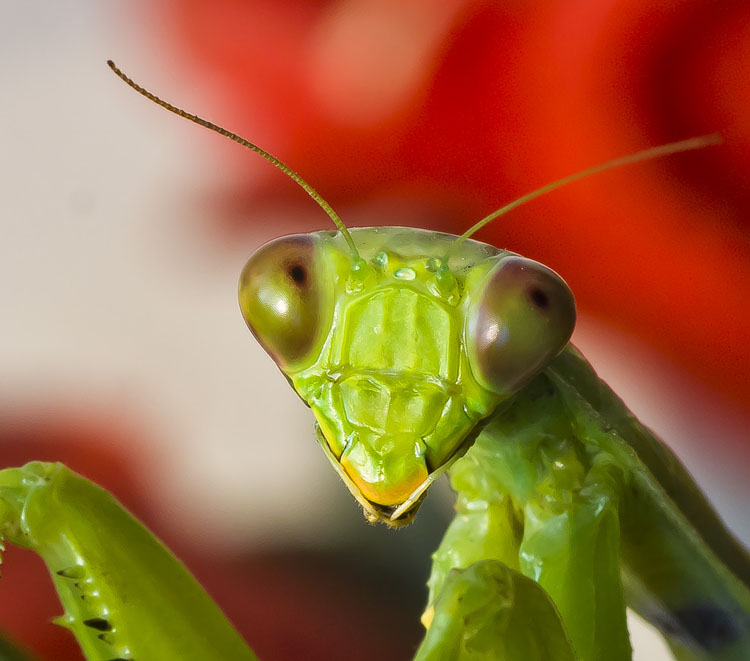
(399, 112)
(455, 108)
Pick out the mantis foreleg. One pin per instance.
(683, 571)
(125, 595)
(573, 551)
(489, 612)
(530, 497)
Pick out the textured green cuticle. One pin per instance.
(391, 389)
(124, 594)
(489, 612)
(16, 487)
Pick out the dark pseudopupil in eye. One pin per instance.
(297, 273)
(539, 298)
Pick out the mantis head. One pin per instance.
(403, 341)
(401, 355)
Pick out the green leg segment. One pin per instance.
(125, 595)
(489, 612)
(574, 554)
(535, 497)
(683, 571)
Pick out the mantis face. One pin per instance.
(399, 350)
(399, 354)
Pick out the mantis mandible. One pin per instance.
(422, 353)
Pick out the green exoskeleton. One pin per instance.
(125, 595)
(414, 365)
(421, 352)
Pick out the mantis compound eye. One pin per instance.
(521, 320)
(282, 297)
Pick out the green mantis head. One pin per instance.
(401, 355)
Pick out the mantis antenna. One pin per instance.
(646, 154)
(245, 143)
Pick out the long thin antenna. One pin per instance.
(646, 154)
(245, 143)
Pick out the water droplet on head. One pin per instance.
(405, 274)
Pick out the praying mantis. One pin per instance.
(422, 353)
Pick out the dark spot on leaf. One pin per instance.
(98, 623)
